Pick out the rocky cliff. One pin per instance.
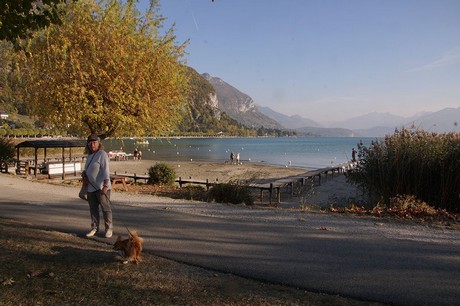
(238, 105)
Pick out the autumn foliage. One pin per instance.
(106, 69)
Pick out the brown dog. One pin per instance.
(131, 247)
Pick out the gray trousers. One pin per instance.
(96, 199)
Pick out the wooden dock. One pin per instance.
(274, 188)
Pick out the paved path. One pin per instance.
(365, 259)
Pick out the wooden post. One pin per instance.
(63, 164)
(36, 162)
(17, 161)
(271, 193)
(207, 185)
(72, 161)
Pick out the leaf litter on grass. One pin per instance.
(42, 267)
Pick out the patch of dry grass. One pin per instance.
(41, 267)
(410, 208)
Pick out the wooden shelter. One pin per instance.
(58, 167)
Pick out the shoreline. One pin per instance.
(334, 189)
(213, 171)
(311, 153)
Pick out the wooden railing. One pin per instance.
(274, 187)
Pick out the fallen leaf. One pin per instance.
(35, 273)
(8, 281)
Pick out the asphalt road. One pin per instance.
(309, 250)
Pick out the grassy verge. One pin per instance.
(42, 267)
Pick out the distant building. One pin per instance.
(4, 116)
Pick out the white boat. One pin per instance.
(142, 142)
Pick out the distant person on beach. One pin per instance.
(98, 175)
(136, 153)
(353, 155)
(232, 157)
(238, 158)
(139, 155)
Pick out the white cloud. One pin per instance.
(450, 58)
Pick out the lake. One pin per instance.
(308, 152)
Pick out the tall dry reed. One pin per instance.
(412, 162)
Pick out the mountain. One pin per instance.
(445, 120)
(380, 124)
(376, 131)
(372, 124)
(289, 122)
(372, 120)
(202, 114)
(239, 105)
(327, 132)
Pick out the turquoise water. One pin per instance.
(309, 152)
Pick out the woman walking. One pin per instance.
(98, 175)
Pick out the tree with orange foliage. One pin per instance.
(106, 69)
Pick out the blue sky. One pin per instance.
(327, 60)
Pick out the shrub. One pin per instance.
(161, 174)
(6, 150)
(194, 192)
(411, 205)
(417, 163)
(230, 193)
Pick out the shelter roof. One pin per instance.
(52, 144)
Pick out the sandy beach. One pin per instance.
(213, 171)
(334, 190)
